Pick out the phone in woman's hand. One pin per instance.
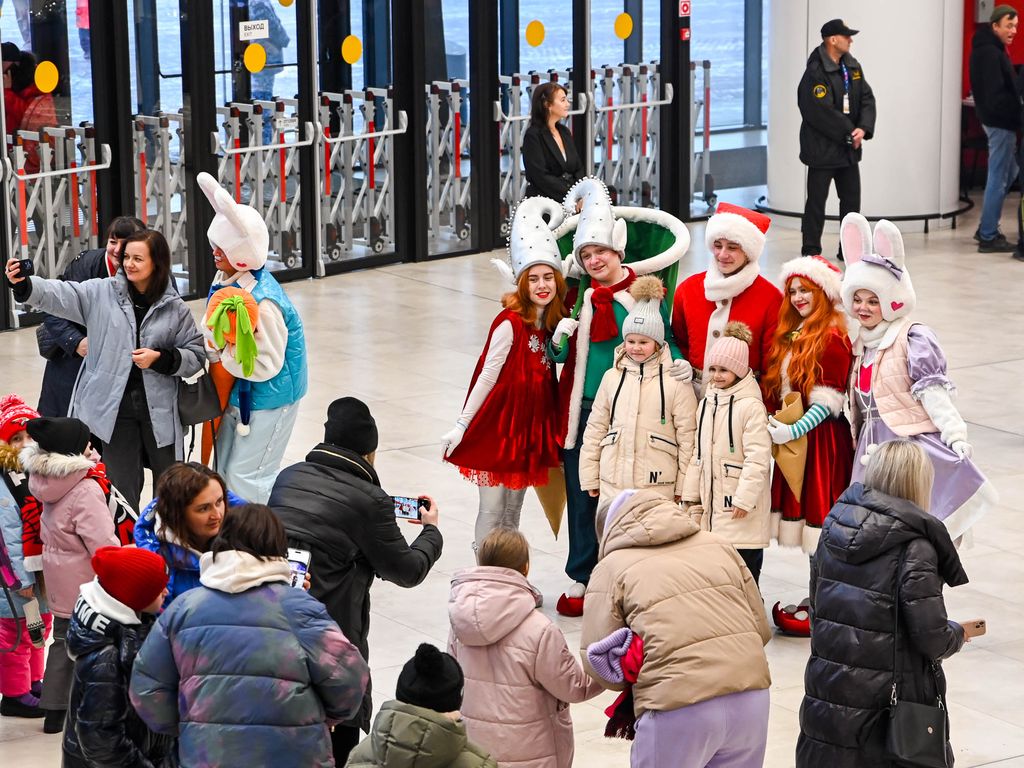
(973, 628)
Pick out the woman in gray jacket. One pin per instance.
(142, 339)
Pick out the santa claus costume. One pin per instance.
(705, 302)
(900, 387)
(505, 440)
(593, 335)
(811, 356)
(249, 455)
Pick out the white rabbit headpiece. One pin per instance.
(881, 269)
(597, 224)
(238, 230)
(532, 240)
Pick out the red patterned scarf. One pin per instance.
(604, 325)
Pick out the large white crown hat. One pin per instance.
(876, 264)
(531, 240)
(238, 230)
(598, 224)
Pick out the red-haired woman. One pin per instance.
(505, 441)
(811, 354)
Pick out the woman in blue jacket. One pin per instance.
(247, 670)
(182, 520)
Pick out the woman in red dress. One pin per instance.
(811, 354)
(505, 440)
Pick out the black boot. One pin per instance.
(54, 722)
(11, 707)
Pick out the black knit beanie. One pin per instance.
(350, 425)
(59, 435)
(431, 679)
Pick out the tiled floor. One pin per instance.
(405, 339)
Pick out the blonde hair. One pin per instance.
(901, 468)
(505, 548)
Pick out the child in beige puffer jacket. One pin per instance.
(640, 432)
(729, 479)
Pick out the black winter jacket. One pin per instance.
(62, 368)
(547, 173)
(825, 131)
(102, 728)
(993, 82)
(849, 675)
(333, 506)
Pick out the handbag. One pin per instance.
(198, 401)
(916, 734)
(49, 349)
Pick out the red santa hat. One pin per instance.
(14, 414)
(819, 271)
(738, 225)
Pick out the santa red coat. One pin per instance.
(830, 450)
(697, 322)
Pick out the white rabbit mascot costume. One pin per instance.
(899, 385)
(249, 456)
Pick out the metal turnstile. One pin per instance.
(700, 162)
(447, 134)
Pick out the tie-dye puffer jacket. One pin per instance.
(247, 670)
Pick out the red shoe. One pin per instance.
(570, 606)
(793, 619)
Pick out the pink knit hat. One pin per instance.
(732, 351)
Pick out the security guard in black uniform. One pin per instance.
(838, 111)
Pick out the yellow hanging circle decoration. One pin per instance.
(534, 33)
(46, 76)
(255, 57)
(351, 49)
(623, 26)
(286, 3)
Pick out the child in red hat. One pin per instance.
(113, 615)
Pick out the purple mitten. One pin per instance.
(605, 656)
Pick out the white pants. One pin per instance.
(499, 507)
(249, 464)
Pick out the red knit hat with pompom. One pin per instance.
(132, 576)
(14, 413)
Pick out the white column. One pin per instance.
(911, 54)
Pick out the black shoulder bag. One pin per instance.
(917, 734)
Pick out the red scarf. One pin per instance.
(604, 325)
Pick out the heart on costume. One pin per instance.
(897, 306)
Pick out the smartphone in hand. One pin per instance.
(974, 627)
(409, 508)
(298, 559)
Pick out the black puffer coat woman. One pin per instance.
(870, 540)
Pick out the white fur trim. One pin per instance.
(810, 541)
(105, 604)
(829, 280)
(718, 286)
(736, 229)
(832, 399)
(971, 511)
(39, 462)
(776, 521)
(791, 532)
(33, 564)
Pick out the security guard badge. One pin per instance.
(819, 91)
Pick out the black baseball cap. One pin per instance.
(837, 27)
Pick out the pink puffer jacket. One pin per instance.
(520, 675)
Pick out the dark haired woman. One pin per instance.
(552, 163)
(247, 666)
(143, 338)
(182, 520)
(68, 342)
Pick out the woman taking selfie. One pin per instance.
(505, 441)
(142, 340)
(182, 520)
(549, 154)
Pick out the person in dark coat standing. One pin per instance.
(998, 104)
(838, 111)
(878, 534)
(332, 505)
(66, 343)
(549, 154)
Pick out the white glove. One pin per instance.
(566, 327)
(781, 433)
(681, 371)
(452, 439)
(962, 449)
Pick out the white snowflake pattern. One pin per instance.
(534, 343)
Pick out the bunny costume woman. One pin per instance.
(899, 385)
(249, 456)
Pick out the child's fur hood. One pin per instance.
(9, 461)
(36, 461)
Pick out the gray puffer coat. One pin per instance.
(105, 308)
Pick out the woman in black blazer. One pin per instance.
(552, 163)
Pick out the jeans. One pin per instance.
(818, 182)
(582, 508)
(1002, 169)
(499, 507)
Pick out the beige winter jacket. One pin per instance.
(625, 444)
(520, 674)
(688, 595)
(731, 463)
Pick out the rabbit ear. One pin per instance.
(855, 235)
(889, 243)
(222, 202)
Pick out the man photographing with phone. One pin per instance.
(333, 508)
